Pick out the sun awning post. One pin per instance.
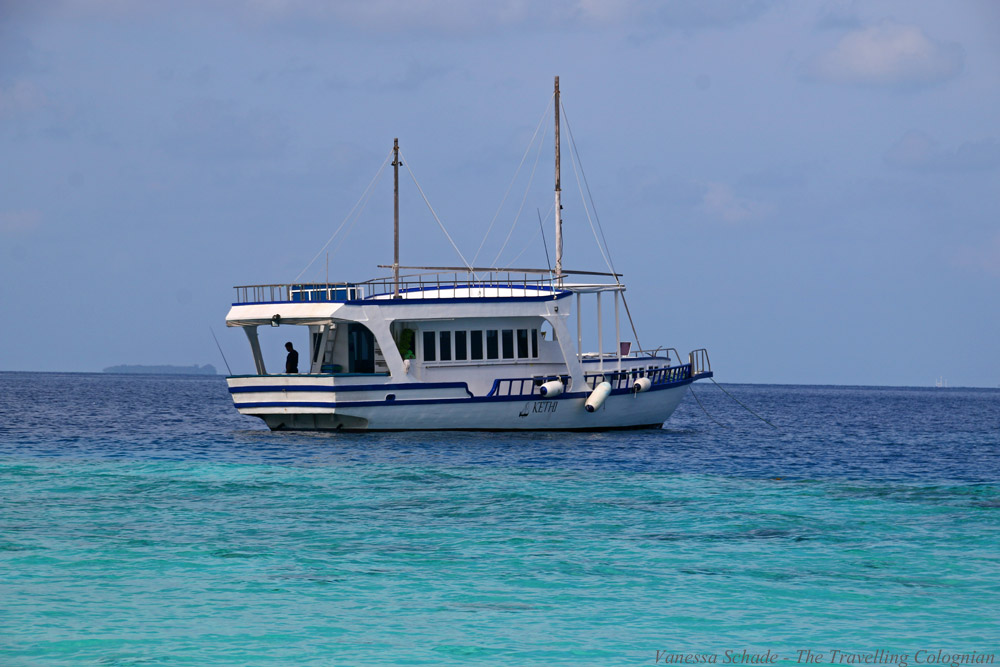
(600, 336)
(258, 358)
(618, 334)
(579, 328)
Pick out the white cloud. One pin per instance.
(917, 151)
(888, 54)
(721, 203)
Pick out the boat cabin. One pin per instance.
(479, 330)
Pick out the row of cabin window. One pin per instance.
(468, 345)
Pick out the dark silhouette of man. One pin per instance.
(292, 361)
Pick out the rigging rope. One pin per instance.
(514, 179)
(572, 140)
(517, 216)
(587, 211)
(353, 222)
(364, 194)
(541, 228)
(406, 163)
(530, 242)
(743, 406)
(607, 258)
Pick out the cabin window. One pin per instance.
(460, 348)
(407, 344)
(360, 349)
(429, 348)
(492, 344)
(445, 347)
(522, 344)
(508, 343)
(534, 343)
(477, 344)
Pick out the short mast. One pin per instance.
(395, 218)
(558, 205)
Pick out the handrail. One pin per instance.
(625, 379)
(655, 352)
(477, 269)
(295, 292)
(698, 359)
(452, 287)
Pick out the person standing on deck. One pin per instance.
(292, 361)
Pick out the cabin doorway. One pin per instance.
(360, 349)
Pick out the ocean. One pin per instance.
(144, 522)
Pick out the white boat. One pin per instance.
(465, 348)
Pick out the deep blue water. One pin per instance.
(143, 521)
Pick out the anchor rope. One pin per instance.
(706, 411)
(743, 406)
(365, 195)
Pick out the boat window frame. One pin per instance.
(507, 344)
(444, 345)
(439, 347)
(518, 343)
(476, 340)
(492, 351)
(424, 349)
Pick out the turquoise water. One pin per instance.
(144, 522)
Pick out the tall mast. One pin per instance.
(559, 243)
(395, 218)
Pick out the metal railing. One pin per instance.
(297, 292)
(618, 380)
(625, 379)
(698, 360)
(525, 386)
(430, 285)
(655, 352)
(440, 285)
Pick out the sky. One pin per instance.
(810, 190)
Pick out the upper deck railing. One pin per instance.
(450, 284)
(298, 292)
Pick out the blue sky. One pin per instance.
(808, 189)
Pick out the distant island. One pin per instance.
(207, 369)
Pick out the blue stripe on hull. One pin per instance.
(402, 386)
(440, 401)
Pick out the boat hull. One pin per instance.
(621, 410)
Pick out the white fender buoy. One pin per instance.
(551, 388)
(597, 397)
(641, 384)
